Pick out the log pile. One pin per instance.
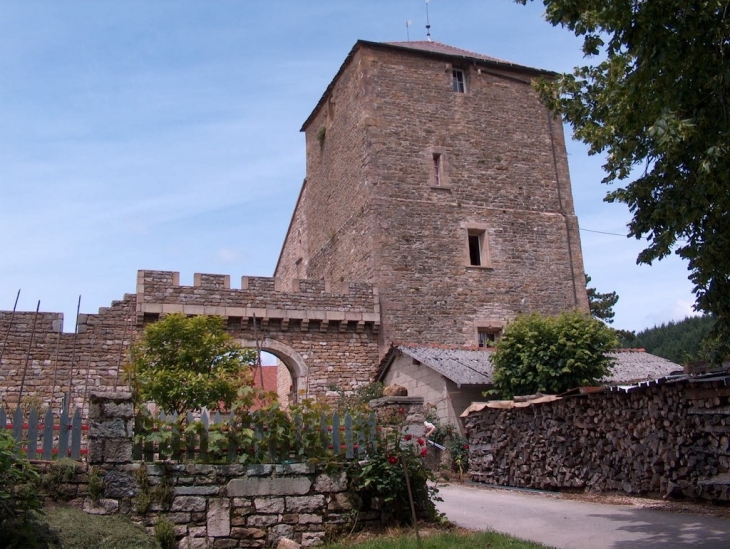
(671, 439)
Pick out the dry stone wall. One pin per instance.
(671, 439)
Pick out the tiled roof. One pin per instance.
(462, 366)
(438, 47)
(473, 367)
(632, 365)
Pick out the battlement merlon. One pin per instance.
(160, 293)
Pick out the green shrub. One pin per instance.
(165, 534)
(18, 493)
(551, 354)
(380, 480)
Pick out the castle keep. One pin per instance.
(437, 206)
(438, 176)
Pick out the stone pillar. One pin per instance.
(111, 428)
(405, 411)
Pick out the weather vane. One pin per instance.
(428, 23)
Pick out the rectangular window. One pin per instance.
(475, 248)
(487, 337)
(458, 81)
(437, 169)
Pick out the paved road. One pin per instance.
(570, 524)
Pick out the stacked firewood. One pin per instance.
(671, 439)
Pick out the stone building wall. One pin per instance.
(325, 334)
(670, 439)
(372, 210)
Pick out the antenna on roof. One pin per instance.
(408, 33)
(428, 23)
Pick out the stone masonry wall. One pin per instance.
(370, 209)
(222, 506)
(672, 439)
(326, 334)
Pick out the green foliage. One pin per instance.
(601, 305)
(57, 476)
(96, 484)
(381, 477)
(447, 540)
(186, 363)
(74, 529)
(683, 342)
(165, 534)
(551, 354)
(449, 436)
(18, 485)
(655, 102)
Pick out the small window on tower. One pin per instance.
(458, 81)
(437, 169)
(487, 337)
(477, 246)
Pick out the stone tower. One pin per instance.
(437, 175)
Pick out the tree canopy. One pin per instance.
(184, 363)
(655, 102)
(601, 305)
(551, 354)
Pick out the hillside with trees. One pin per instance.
(680, 342)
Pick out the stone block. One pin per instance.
(242, 487)
(279, 531)
(224, 543)
(219, 517)
(339, 502)
(120, 485)
(286, 543)
(294, 469)
(178, 518)
(259, 470)
(191, 504)
(248, 533)
(117, 450)
(336, 482)
(262, 521)
(312, 539)
(304, 504)
(308, 518)
(197, 490)
(101, 507)
(112, 409)
(269, 505)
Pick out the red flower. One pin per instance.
(392, 460)
(330, 447)
(408, 437)
(329, 427)
(466, 446)
(420, 441)
(424, 451)
(401, 410)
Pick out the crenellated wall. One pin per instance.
(325, 333)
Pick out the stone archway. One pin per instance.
(293, 361)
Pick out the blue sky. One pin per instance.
(165, 135)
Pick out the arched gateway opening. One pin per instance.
(294, 362)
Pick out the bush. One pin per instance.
(18, 493)
(551, 354)
(380, 479)
(184, 363)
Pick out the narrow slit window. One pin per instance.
(458, 81)
(437, 169)
(475, 248)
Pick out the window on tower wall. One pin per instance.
(458, 81)
(437, 171)
(487, 337)
(477, 246)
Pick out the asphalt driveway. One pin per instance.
(570, 524)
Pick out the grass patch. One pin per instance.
(448, 540)
(74, 529)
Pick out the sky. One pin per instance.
(165, 135)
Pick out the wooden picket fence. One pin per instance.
(339, 437)
(53, 438)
